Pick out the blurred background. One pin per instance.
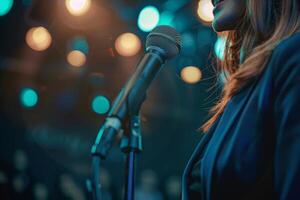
(62, 63)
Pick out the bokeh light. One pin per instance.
(166, 18)
(205, 10)
(220, 47)
(128, 44)
(5, 6)
(38, 38)
(78, 7)
(76, 58)
(29, 97)
(223, 77)
(148, 18)
(80, 43)
(191, 74)
(100, 104)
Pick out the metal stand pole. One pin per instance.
(131, 144)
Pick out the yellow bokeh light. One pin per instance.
(128, 44)
(78, 7)
(76, 58)
(205, 10)
(191, 74)
(38, 38)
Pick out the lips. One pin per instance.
(216, 2)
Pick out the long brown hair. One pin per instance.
(248, 47)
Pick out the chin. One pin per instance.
(217, 27)
(223, 25)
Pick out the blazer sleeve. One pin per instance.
(287, 119)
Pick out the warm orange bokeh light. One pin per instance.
(191, 74)
(78, 7)
(205, 10)
(76, 58)
(38, 38)
(128, 44)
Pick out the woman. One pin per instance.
(251, 148)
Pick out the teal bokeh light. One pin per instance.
(5, 6)
(29, 97)
(220, 47)
(148, 18)
(100, 104)
(80, 44)
(166, 18)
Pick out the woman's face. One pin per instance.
(227, 14)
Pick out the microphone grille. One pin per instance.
(165, 38)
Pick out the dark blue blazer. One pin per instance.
(253, 150)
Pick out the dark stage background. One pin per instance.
(45, 147)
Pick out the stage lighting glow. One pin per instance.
(29, 97)
(5, 6)
(223, 77)
(148, 18)
(128, 44)
(38, 38)
(80, 44)
(78, 7)
(205, 10)
(76, 58)
(166, 18)
(220, 47)
(191, 74)
(100, 104)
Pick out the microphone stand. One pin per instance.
(125, 115)
(162, 43)
(131, 144)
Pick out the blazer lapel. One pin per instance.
(193, 159)
(231, 113)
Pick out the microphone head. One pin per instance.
(166, 39)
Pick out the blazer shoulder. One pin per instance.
(285, 61)
(286, 53)
(289, 46)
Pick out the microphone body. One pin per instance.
(160, 46)
(129, 100)
(133, 94)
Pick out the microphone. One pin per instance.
(163, 43)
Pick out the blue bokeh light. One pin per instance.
(29, 97)
(220, 47)
(80, 44)
(100, 104)
(5, 6)
(166, 18)
(148, 18)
